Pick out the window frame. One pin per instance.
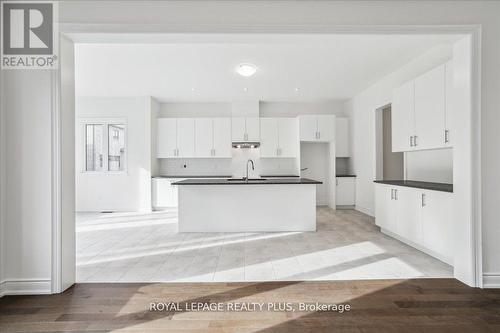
(105, 122)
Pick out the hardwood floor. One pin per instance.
(416, 305)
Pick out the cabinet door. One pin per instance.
(430, 109)
(269, 137)
(385, 208)
(204, 137)
(308, 128)
(326, 128)
(167, 137)
(252, 125)
(222, 137)
(437, 223)
(163, 193)
(185, 137)
(345, 193)
(238, 129)
(449, 98)
(403, 117)
(288, 137)
(409, 223)
(342, 137)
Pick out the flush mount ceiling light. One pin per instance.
(246, 69)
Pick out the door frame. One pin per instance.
(473, 31)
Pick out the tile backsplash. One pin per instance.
(235, 166)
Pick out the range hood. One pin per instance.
(246, 145)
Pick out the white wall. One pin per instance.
(68, 191)
(362, 109)
(33, 86)
(27, 228)
(430, 165)
(129, 191)
(155, 112)
(293, 109)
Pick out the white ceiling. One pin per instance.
(201, 68)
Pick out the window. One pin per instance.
(104, 147)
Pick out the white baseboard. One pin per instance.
(419, 247)
(367, 211)
(25, 287)
(491, 280)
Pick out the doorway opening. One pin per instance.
(201, 257)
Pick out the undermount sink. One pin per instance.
(243, 180)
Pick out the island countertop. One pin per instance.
(256, 181)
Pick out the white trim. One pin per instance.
(364, 210)
(474, 30)
(476, 218)
(56, 269)
(434, 254)
(491, 280)
(25, 287)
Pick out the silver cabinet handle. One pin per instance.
(415, 140)
(392, 194)
(446, 136)
(423, 199)
(411, 141)
(395, 194)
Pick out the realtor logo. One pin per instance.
(29, 38)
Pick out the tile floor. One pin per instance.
(135, 247)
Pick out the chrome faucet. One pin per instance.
(253, 168)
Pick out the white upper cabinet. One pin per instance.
(185, 137)
(204, 137)
(308, 126)
(278, 137)
(326, 128)
(403, 117)
(245, 129)
(167, 138)
(421, 111)
(269, 137)
(213, 137)
(342, 137)
(222, 137)
(320, 128)
(190, 137)
(288, 137)
(430, 109)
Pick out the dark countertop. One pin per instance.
(416, 184)
(191, 176)
(279, 176)
(345, 176)
(274, 181)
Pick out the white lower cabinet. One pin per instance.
(164, 194)
(408, 215)
(421, 218)
(345, 191)
(385, 208)
(437, 223)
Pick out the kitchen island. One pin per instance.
(256, 205)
